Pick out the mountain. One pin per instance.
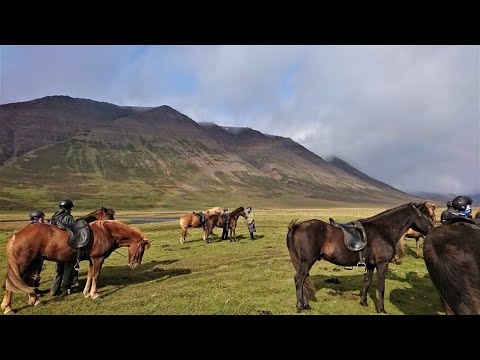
(132, 157)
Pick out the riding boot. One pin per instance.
(252, 236)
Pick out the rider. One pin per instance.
(226, 221)
(37, 216)
(446, 213)
(64, 273)
(463, 205)
(251, 223)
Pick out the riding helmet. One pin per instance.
(461, 202)
(67, 204)
(36, 214)
(225, 210)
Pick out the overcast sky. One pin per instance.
(405, 115)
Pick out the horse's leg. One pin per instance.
(381, 274)
(300, 277)
(97, 265)
(86, 291)
(7, 303)
(448, 310)
(368, 281)
(183, 235)
(417, 245)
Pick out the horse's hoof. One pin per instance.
(10, 312)
(300, 311)
(382, 311)
(307, 307)
(364, 303)
(39, 303)
(95, 296)
(86, 295)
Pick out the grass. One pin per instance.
(244, 277)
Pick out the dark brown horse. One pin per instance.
(218, 220)
(452, 255)
(50, 243)
(314, 240)
(191, 220)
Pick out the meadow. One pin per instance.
(236, 278)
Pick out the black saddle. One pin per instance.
(201, 216)
(78, 233)
(354, 235)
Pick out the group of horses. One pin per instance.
(213, 217)
(451, 253)
(46, 241)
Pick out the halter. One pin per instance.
(423, 215)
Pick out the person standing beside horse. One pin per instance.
(37, 217)
(64, 273)
(251, 223)
(226, 217)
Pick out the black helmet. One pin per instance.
(449, 204)
(461, 202)
(225, 210)
(36, 214)
(67, 204)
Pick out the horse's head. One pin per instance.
(421, 222)
(136, 250)
(104, 213)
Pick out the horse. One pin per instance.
(50, 243)
(191, 220)
(104, 213)
(313, 240)
(218, 220)
(477, 215)
(452, 255)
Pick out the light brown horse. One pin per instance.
(218, 220)
(191, 220)
(50, 243)
(104, 213)
(477, 215)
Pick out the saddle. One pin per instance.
(354, 235)
(79, 236)
(354, 238)
(461, 220)
(201, 216)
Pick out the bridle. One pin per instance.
(140, 247)
(429, 226)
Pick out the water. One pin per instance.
(144, 220)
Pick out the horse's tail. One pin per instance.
(446, 267)
(13, 280)
(308, 286)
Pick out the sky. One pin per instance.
(405, 115)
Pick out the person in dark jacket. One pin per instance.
(446, 213)
(37, 217)
(64, 273)
(226, 222)
(463, 206)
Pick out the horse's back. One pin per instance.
(452, 257)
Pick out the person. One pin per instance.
(226, 221)
(64, 273)
(251, 223)
(37, 217)
(463, 205)
(446, 213)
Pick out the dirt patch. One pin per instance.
(265, 312)
(344, 294)
(332, 280)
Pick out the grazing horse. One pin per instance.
(192, 220)
(452, 255)
(218, 220)
(314, 240)
(50, 243)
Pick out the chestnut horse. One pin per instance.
(50, 243)
(218, 220)
(104, 213)
(477, 215)
(192, 220)
(314, 240)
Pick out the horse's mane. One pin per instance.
(101, 223)
(109, 211)
(237, 210)
(395, 209)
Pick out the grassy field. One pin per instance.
(246, 277)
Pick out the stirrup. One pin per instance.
(76, 267)
(362, 263)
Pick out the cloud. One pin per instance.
(405, 115)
